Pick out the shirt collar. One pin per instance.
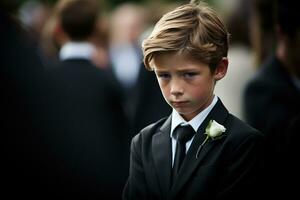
(196, 121)
(70, 50)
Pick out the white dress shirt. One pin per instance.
(177, 120)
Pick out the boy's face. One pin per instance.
(186, 85)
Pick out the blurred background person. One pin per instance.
(33, 15)
(88, 139)
(127, 23)
(51, 40)
(262, 29)
(24, 158)
(242, 60)
(272, 97)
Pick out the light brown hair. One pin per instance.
(193, 30)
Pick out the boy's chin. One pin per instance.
(186, 115)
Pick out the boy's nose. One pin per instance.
(176, 89)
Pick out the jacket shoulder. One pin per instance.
(149, 130)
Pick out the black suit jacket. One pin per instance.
(271, 102)
(227, 168)
(88, 140)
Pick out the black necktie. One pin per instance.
(182, 134)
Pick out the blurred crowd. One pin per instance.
(75, 91)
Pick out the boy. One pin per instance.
(187, 51)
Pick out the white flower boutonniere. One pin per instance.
(213, 131)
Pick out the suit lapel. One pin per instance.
(218, 113)
(161, 149)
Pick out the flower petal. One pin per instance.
(215, 129)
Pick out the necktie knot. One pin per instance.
(183, 133)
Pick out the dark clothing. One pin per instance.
(271, 102)
(226, 168)
(291, 172)
(89, 138)
(150, 104)
(23, 159)
(271, 99)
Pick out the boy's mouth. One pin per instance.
(179, 103)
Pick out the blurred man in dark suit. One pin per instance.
(272, 98)
(89, 130)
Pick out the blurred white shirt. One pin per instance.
(126, 62)
(83, 50)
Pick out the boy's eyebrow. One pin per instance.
(178, 70)
(187, 70)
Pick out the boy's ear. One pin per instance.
(221, 69)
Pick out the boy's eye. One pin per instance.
(189, 74)
(164, 75)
